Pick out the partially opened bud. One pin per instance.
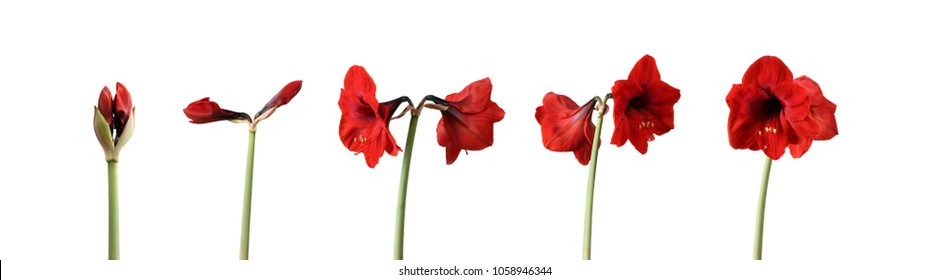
(281, 98)
(114, 120)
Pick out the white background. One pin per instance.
(869, 203)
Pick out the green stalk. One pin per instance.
(113, 210)
(403, 188)
(759, 222)
(248, 187)
(591, 179)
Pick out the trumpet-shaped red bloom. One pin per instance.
(204, 110)
(364, 125)
(468, 122)
(643, 106)
(822, 110)
(770, 110)
(567, 127)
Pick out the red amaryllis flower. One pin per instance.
(364, 125)
(769, 111)
(114, 120)
(822, 110)
(643, 106)
(566, 127)
(468, 121)
(204, 110)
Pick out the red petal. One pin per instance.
(361, 86)
(105, 105)
(767, 72)
(583, 154)
(645, 71)
(205, 111)
(798, 150)
(623, 92)
(474, 98)
(774, 143)
(639, 132)
(662, 98)
(123, 106)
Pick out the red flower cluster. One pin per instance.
(771, 111)
(467, 121)
(643, 108)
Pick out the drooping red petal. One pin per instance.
(565, 126)
(123, 107)
(363, 126)
(205, 111)
(767, 72)
(643, 106)
(105, 106)
(468, 123)
(282, 97)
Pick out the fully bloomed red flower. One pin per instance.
(770, 110)
(822, 110)
(204, 110)
(468, 121)
(364, 125)
(643, 106)
(567, 127)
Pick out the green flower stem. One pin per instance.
(248, 187)
(113, 210)
(759, 222)
(403, 188)
(591, 179)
